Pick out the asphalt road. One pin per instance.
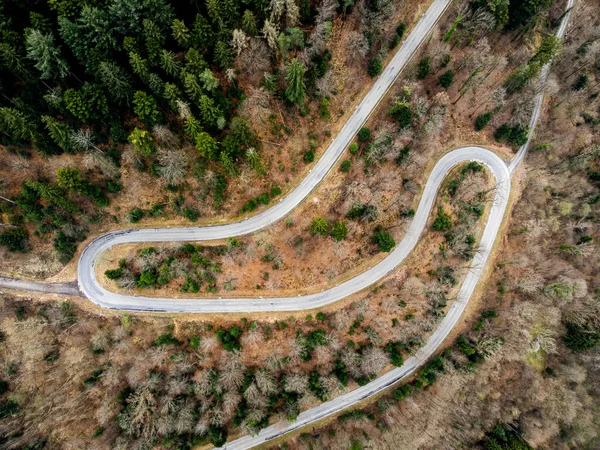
(501, 171)
(86, 277)
(107, 299)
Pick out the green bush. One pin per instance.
(443, 221)
(135, 215)
(515, 135)
(424, 67)
(402, 113)
(113, 274)
(401, 29)
(403, 155)
(403, 391)
(345, 166)
(319, 225)
(353, 149)
(446, 79)
(339, 231)
(364, 134)
(166, 339)
(482, 120)
(375, 67)
(309, 156)
(384, 240)
(15, 239)
(230, 339)
(394, 350)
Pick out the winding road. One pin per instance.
(89, 286)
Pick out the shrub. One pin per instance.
(135, 215)
(309, 156)
(113, 274)
(384, 240)
(191, 213)
(339, 231)
(230, 339)
(446, 79)
(424, 67)
(148, 279)
(319, 225)
(403, 155)
(482, 120)
(402, 113)
(515, 135)
(322, 317)
(580, 82)
(364, 134)
(401, 29)
(580, 338)
(403, 391)
(394, 350)
(353, 149)
(15, 239)
(345, 166)
(166, 339)
(8, 408)
(142, 142)
(443, 221)
(375, 67)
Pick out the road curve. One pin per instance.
(501, 172)
(105, 298)
(90, 287)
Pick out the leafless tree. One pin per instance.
(296, 383)
(373, 360)
(172, 164)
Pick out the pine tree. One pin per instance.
(270, 33)
(253, 158)
(210, 112)
(228, 164)
(214, 10)
(145, 107)
(223, 54)
(154, 39)
(206, 145)
(139, 65)
(295, 77)
(169, 63)
(209, 81)
(59, 132)
(42, 50)
(17, 124)
(249, 22)
(202, 34)
(115, 79)
(172, 94)
(191, 86)
(11, 59)
(180, 33)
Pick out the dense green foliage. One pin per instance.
(446, 79)
(384, 240)
(402, 113)
(423, 67)
(482, 120)
(515, 135)
(443, 220)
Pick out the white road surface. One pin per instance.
(501, 171)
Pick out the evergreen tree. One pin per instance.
(169, 63)
(145, 108)
(42, 50)
(228, 164)
(202, 33)
(17, 124)
(206, 145)
(249, 23)
(12, 60)
(139, 65)
(172, 95)
(60, 132)
(115, 79)
(223, 55)
(180, 33)
(295, 91)
(209, 81)
(210, 112)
